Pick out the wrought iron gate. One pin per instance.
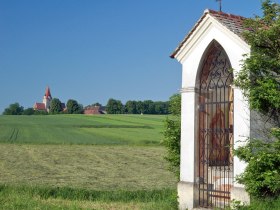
(215, 129)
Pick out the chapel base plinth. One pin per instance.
(186, 195)
(239, 194)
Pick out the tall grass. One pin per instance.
(13, 197)
(46, 192)
(261, 204)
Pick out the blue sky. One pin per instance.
(93, 50)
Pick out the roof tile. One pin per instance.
(39, 106)
(232, 22)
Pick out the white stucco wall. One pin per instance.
(187, 136)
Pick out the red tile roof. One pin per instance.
(93, 110)
(232, 22)
(39, 106)
(48, 93)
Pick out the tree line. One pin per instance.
(113, 107)
(137, 107)
(56, 107)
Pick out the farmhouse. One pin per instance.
(215, 116)
(94, 110)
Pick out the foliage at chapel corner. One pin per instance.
(259, 80)
(172, 134)
(262, 174)
(260, 76)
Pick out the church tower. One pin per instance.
(47, 98)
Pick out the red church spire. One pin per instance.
(48, 93)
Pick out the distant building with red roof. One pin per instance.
(45, 105)
(94, 110)
(39, 106)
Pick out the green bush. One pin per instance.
(259, 82)
(257, 204)
(40, 112)
(262, 174)
(172, 134)
(28, 111)
(172, 137)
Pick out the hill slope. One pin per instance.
(82, 129)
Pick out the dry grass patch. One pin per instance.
(89, 167)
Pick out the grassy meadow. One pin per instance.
(84, 162)
(82, 129)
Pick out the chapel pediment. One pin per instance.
(230, 24)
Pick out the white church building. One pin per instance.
(215, 116)
(45, 105)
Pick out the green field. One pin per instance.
(82, 129)
(84, 162)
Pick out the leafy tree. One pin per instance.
(148, 107)
(259, 80)
(55, 106)
(161, 107)
(14, 109)
(131, 107)
(172, 134)
(28, 111)
(81, 109)
(114, 106)
(175, 105)
(96, 104)
(73, 107)
(139, 107)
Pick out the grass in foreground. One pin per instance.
(82, 129)
(86, 166)
(24, 197)
(259, 204)
(84, 162)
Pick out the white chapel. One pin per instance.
(215, 116)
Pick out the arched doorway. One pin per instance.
(215, 128)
